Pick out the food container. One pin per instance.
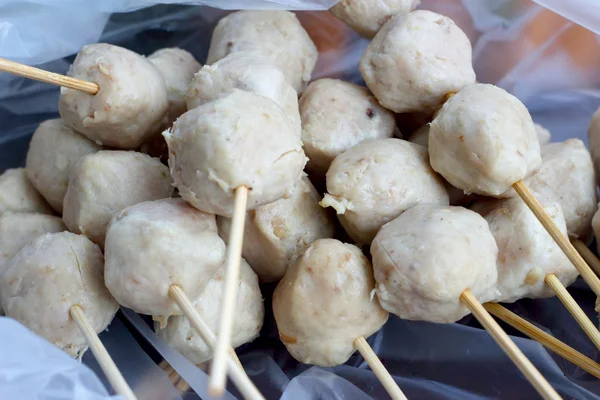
(542, 56)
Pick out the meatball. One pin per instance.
(594, 142)
(45, 278)
(17, 194)
(375, 181)
(276, 35)
(104, 183)
(336, 116)
(248, 72)
(155, 244)
(242, 139)
(426, 258)
(249, 318)
(130, 105)
(567, 175)
(483, 141)
(526, 253)
(177, 68)
(18, 229)
(53, 150)
(415, 60)
(367, 17)
(277, 233)
(325, 301)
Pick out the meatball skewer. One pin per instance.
(74, 266)
(331, 281)
(438, 263)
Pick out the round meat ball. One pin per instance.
(336, 116)
(415, 60)
(325, 301)
(155, 244)
(18, 229)
(45, 278)
(277, 233)
(367, 17)
(375, 181)
(17, 194)
(102, 184)
(594, 142)
(249, 318)
(543, 134)
(526, 253)
(248, 72)
(427, 257)
(483, 141)
(275, 35)
(242, 139)
(177, 68)
(53, 150)
(567, 175)
(130, 105)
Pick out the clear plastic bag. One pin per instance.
(548, 61)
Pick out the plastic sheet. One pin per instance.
(548, 61)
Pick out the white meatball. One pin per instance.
(248, 72)
(130, 105)
(276, 35)
(367, 17)
(242, 139)
(17, 194)
(428, 256)
(277, 233)
(18, 229)
(594, 142)
(375, 181)
(104, 183)
(567, 175)
(249, 317)
(543, 134)
(336, 116)
(526, 253)
(155, 244)
(45, 278)
(325, 301)
(53, 150)
(415, 60)
(177, 67)
(483, 141)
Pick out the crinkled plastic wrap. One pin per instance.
(548, 61)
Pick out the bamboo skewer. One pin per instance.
(377, 367)
(514, 353)
(584, 270)
(571, 305)
(216, 383)
(587, 255)
(237, 374)
(544, 338)
(106, 363)
(48, 77)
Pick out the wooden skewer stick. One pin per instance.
(106, 363)
(510, 348)
(238, 376)
(377, 367)
(587, 255)
(49, 77)
(571, 305)
(545, 339)
(586, 273)
(216, 382)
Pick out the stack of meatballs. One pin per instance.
(352, 220)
